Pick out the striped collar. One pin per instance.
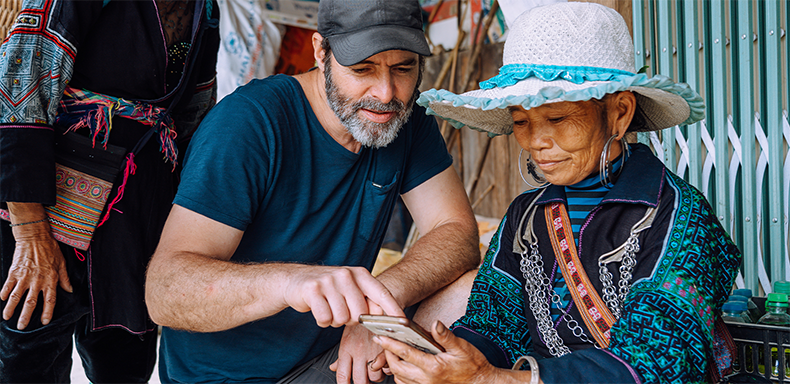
(640, 182)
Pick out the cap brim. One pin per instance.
(354, 47)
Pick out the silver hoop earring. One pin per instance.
(605, 166)
(531, 168)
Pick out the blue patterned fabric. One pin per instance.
(685, 269)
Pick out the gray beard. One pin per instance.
(364, 131)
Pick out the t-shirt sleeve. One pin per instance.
(428, 154)
(227, 163)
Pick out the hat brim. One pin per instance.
(663, 102)
(353, 47)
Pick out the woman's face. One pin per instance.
(565, 138)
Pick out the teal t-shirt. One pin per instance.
(262, 163)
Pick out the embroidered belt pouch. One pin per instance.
(84, 177)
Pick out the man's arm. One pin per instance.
(192, 284)
(449, 246)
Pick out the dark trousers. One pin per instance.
(42, 353)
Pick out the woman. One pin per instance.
(632, 297)
(108, 70)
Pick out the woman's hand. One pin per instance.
(38, 267)
(461, 363)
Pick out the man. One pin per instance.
(286, 193)
(84, 66)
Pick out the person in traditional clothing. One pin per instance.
(119, 75)
(614, 268)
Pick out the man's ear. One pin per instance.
(621, 109)
(318, 51)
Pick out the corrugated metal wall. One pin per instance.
(736, 54)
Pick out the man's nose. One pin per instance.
(384, 88)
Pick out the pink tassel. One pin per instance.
(130, 169)
(80, 256)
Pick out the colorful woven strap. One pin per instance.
(596, 314)
(86, 109)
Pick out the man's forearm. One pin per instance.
(203, 294)
(436, 259)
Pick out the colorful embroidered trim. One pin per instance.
(85, 109)
(79, 203)
(596, 315)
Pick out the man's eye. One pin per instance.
(555, 120)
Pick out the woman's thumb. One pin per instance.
(442, 335)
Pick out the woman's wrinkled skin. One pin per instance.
(565, 139)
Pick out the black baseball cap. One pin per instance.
(358, 29)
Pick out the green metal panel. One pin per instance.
(639, 49)
(743, 105)
(665, 67)
(772, 117)
(717, 110)
(688, 56)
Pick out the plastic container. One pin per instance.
(775, 314)
(782, 286)
(735, 312)
(754, 310)
(776, 310)
(755, 342)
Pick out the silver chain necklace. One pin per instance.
(539, 286)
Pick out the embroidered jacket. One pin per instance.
(121, 53)
(114, 48)
(684, 272)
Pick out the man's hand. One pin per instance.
(338, 295)
(38, 267)
(359, 358)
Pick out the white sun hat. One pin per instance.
(566, 52)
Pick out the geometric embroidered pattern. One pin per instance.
(38, 67)
(506, 324)
(698, 254)
(80, 200)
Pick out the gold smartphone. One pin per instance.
(403, 330)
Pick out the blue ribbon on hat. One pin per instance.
(511, 74)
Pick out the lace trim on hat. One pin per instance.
(618, 83)
(511, 74)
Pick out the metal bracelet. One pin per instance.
(533, 368)
(29, 222)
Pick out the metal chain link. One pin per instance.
(537, 285)
(627, 264)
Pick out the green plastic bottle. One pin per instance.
(775, 314)
(782, 286)
(776, 310)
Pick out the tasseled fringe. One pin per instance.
(129, 170)
(99, 119)
(167, 141)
